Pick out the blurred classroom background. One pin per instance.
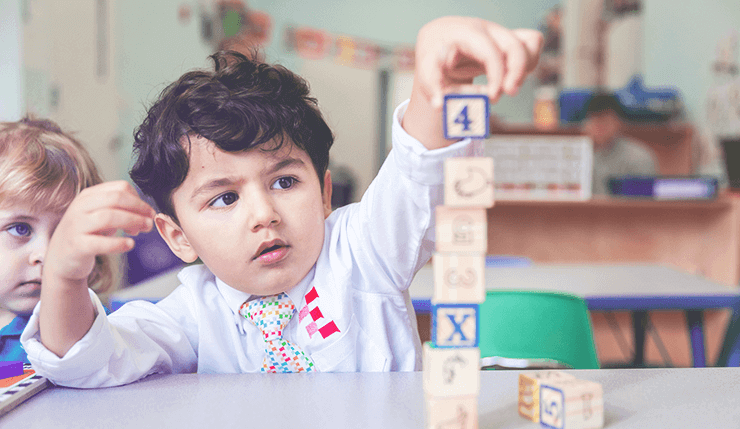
(94, 66)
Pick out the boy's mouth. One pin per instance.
(271, 251)
(32, 287)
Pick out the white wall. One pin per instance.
(11, 87)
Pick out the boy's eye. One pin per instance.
(224, 200)
(20, 229)
(284, 183)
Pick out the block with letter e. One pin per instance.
(571, 404)
(529, 391)
(461, 230)
(459, 412)
(469, 182)
(459, 278)
(455, 325)
(465, 115)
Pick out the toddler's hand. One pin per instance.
(451, 51)
(89, 226)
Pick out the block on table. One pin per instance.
(11, 369)
(452, 413)
(451, 372)
(461, 230)
(466, 115)
(459, 278)
(529, 391)
(571, 404)
(455, 325)
(469, 182)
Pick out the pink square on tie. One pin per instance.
(312, 329)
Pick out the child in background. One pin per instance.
(236, 161)
(42, 169)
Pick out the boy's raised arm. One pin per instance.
(87, 229)
(450, 52)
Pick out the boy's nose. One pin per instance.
(38, 252)
(263, 213)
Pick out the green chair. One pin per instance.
(536, 327)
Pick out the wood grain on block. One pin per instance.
(571, 404)
(469, 182)
(461, 230)
(451, 372)
(459, 278)
(459, 412)
(529, 391)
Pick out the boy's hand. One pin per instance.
(450, 52)
(88, 228)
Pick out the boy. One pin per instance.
(613, 154)
(236, 161)
(41, 170)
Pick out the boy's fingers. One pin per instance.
(104, 221)
(119, 195)
(533, 41)
(514, 53)
(102, 245)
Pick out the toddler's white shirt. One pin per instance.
(358, 315)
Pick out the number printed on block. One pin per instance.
(469, 182)
(529, 391)
(455, 325)
(459, 278)
(451, 371)
(461, 230)
(571, 404)
(452, 413)
(465, 115)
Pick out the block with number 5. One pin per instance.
(465, 115)
(571, 404)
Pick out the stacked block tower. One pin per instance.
(452, 358)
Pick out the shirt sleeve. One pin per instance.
(137, 340)
(391, 230)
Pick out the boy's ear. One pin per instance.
(175, 238)
(326, 194)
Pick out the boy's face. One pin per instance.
(24, 237)
(255, 218)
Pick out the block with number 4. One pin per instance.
(469, 182)
(571, 404)
(451, 372)
(461, 230)
(452, 413)
(455, 325)
(459, 278)
(465, 115)
(529, 391)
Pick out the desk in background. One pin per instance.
(635, 288)
(634, 399)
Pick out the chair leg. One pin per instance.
(696, 333)
(639, 325)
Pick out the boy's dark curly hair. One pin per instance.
(241, 105)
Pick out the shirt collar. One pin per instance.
(15, 327)
(235, 298)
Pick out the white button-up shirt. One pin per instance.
(353, 309)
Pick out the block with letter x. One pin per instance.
(455, 325)
(465, 115)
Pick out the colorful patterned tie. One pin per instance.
(270, 314)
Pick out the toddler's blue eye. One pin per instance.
(224, 200)
(284, 183)
(20, 229)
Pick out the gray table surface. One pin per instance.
(633, 398)
(584, 280)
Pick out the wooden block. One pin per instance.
(461, 230)
(571, 404)
(452, 413)
(451, 372)
(529, 391)
(459, 278)
(469, 182)
(465, 115)
(455, 325)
